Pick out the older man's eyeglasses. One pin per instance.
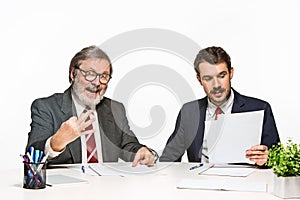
(92, 75)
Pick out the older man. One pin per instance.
(81, 125)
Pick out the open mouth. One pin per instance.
(94, 91)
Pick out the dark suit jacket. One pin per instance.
(116, 137)
(189, 129)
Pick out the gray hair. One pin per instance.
(86, 53)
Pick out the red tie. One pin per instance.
(217, 112)
(92, 155)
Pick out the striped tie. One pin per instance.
(92, 155)
(217, 112)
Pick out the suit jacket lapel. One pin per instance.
(104, 113)
(68, 110)
(238, 102)
(200, 134)
(106, 125)
(196, 146)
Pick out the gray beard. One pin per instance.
(78, 90)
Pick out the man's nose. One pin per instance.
(216, 82)
(96, 82)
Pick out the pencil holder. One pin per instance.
(34, 175)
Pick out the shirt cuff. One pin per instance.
(48, 149)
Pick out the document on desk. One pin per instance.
(230, 185)
(231, 135)
(119, 169)
(234, 172)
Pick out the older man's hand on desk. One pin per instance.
(144, 156)
(258, 154)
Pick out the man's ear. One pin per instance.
(231, 72)
(199, 78)
(73, 74)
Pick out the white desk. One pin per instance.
(159, 185)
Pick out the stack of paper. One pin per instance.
(236, 172)
(233, 185)
(231, 135)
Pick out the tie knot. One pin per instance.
(217, 112)
(86, 109)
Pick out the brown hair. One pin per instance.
(212, 55)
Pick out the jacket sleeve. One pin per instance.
(270, 134)
(129, 143)
(175, 147)
(41, 125)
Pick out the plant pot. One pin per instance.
(287, 187)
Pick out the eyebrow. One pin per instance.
(221, 73)
(105, 72)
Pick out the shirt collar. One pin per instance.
(226, 106)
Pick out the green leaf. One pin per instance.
(285, 159)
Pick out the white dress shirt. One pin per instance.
(210, 115)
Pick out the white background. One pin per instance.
(38, 40)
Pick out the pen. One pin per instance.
(36, 155)
(94, 170)
(31, 149)
(40, 156)
(29, 157)
(42, 162)
(25, 158)
(196, 166)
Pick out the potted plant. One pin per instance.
(285, 162)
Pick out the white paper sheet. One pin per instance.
(120, 169)
(231, 135)
(233, 185)
(236, 172)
